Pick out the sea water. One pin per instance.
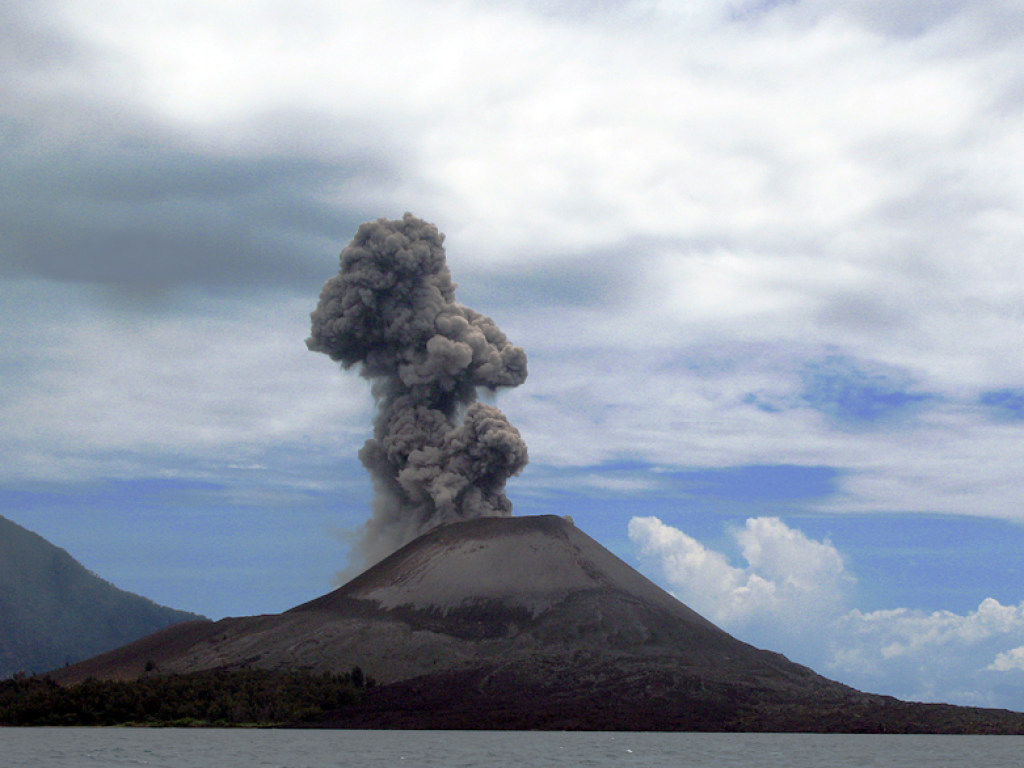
(243, 748)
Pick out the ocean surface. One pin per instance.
(237, 748)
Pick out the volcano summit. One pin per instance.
(527, 622)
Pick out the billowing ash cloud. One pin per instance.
(437, 455)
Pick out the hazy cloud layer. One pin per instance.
(801, 220)
(144, 393)
(759, 190)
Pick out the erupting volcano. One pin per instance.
(437, 455)
(479, 619)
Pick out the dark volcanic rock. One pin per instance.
(527, 622)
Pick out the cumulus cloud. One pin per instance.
(793, 596)
(927, 655)
(789, 583)
(1011, 660)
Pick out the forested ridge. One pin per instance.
(213, 698)
(55, 611)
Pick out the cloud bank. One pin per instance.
(788, 224)
(793, 594)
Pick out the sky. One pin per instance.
(766, 260)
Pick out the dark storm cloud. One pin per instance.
(150, 218)
(599, 279)
(30, 42)
(95, 189)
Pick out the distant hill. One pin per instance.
(53, 611)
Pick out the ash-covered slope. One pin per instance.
(528, 622)
(525, 587)
(505, 577)
(480, 591)
(529, 564)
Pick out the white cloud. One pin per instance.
(1011, 660)
(790, 582)
(623, 485)
(933, 655)
(792, 597)
(220, 383)
(787, 556)
(902, 632)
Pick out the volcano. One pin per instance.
(527, 622)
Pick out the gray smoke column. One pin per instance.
(437, 455)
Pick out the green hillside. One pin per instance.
(54, 611)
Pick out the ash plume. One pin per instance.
(437, 455)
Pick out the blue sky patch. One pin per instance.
(762, 403)
(1005, 404)
(857, 394)
(197, 545)
(924, 562)
(765, 482)
(761, 483)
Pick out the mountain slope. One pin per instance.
(465, 594)
(527, 622)
(53, 611)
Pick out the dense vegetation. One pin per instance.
(215, 698)
(56, 612)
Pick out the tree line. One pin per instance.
(211, 698)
